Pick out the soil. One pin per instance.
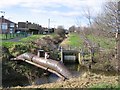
(86, 80)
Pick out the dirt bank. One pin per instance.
(85, 81)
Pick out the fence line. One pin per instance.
(12, 35)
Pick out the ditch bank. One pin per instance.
(13, 72)
(87, 80)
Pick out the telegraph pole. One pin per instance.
(48, 25)
(3, 13)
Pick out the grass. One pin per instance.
(106, 43)
(26, 39)
(35, 37)
(104, 85)
(73, 40)
(9, 44)
(32, 38)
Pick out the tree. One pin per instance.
(72, 29)
(60, 31)
(106, 22)
(88, 15)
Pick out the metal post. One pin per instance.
(61, 54)
(38, 54)
(79, 59)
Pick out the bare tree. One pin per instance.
(107, 20)
(87, 14)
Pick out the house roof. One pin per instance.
(6, 20)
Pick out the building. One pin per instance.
(47, 31)
(7, 26)
(30, 27)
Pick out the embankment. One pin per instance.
(18, 70)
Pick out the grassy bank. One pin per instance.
(29, 44)
(25, 40)
(73, 40)
(32, 38)
(104, 42)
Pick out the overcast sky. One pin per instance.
(60, 12)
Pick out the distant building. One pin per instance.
(46, 30)
(30, 27)
(7, 26)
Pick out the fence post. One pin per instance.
(6, 35)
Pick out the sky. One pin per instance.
(60, 12)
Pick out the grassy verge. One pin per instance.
(35, 37)
(73, 40)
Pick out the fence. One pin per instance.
(12, 35)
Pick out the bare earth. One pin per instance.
(86, 80)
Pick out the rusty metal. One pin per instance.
(48, 64)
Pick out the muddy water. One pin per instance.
(76, 71)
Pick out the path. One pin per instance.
(14, 39)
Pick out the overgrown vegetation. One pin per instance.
(104, 42)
